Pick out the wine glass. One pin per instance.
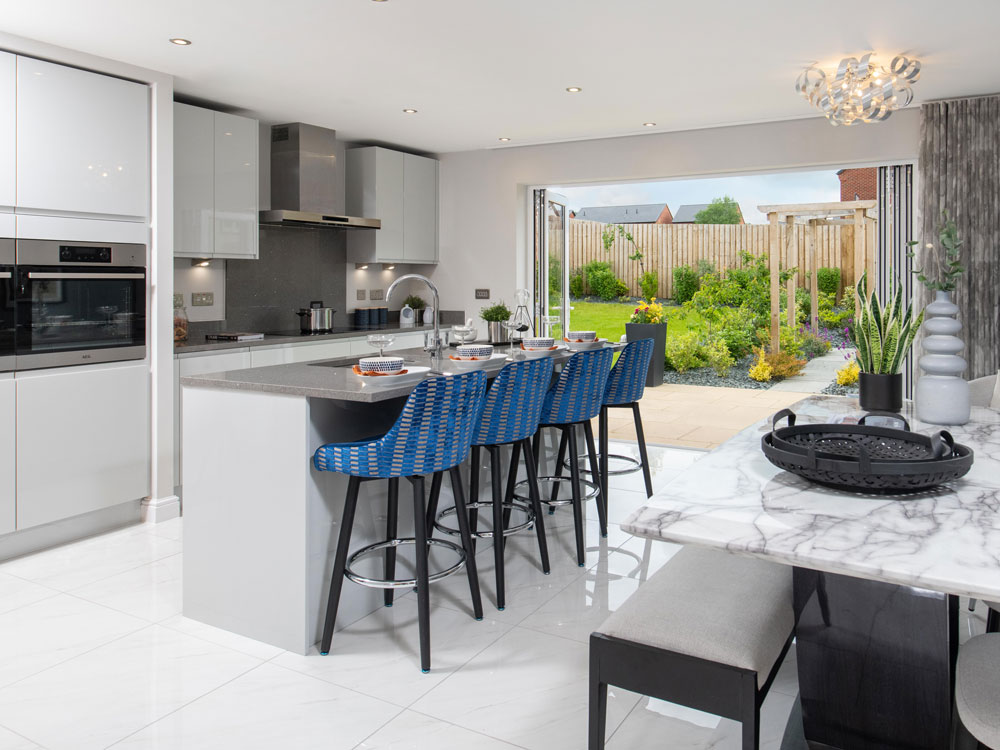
(380, 341)
(511, 326)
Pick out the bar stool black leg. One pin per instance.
(536, 506)
(340, 562)
(642, 448)
(595, 473)
(602, 428)
(432, 504)
(391, 516)
(559, 465)
(423, 593)
(574, 473)
(495, 470)
(474, 466)
(468, 542)
(992, 620)
(508, 495)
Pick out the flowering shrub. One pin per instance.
(761, 370)
(648, 312)
(848, 374)
(784, 364)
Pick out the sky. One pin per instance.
(749, 191)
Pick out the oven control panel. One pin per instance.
(84, 254)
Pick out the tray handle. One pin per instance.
(781, 415)
(942, 444)
(864, 461)
(889, 414)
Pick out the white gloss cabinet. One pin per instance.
(82, 441)
(7, 453)
(420, 209)
(8, 129)
(215, 184)
(82, 143)
(194, 180)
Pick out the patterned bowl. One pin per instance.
(538, 343)
(581, 335)
(479, 351)
(387, 365)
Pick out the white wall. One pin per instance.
(484, 194)
(190, 280)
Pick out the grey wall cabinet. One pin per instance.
(401, 190)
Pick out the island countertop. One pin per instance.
(944, 540)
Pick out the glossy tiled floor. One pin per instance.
(94, 653)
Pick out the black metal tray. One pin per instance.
(865, 458)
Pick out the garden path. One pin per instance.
(816, 375)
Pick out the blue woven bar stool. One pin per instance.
(510, 417)
(575, 399)
(431, 436)
(626, 384)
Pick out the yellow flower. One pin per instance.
(848, 374)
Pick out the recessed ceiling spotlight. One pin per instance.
(574, 89)
(410, 111)
(649, 124)
(379, 1)
(503, 140)
(180, 42)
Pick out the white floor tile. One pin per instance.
(580, 608)
(267, 708)
(48, 632)
(16, 592)
(529, 689)
(107, 694)
(11, 741)
(151, 591)
(172, 529)
(220, 637)
(380, 654)
(413, 731)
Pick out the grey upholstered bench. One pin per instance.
(977, 693)
(708, 631)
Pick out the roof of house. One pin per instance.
(646, 213)
(686, 213)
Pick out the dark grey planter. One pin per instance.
(657, 332)
(880, 392)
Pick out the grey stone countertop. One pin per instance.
(202, 344)
(334, 379)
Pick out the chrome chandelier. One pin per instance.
(860, 91)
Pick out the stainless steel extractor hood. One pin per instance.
(305, 190)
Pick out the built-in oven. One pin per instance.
(7, 306)
(79, 303)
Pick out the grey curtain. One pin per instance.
(960, 172)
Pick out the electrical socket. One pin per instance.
(376, 294)
(202, 299)
(482, 294)
(178, 300)
(361, 294)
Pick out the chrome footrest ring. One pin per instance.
(381, 583)
(513, 506)
(634, 464)
(593, 490)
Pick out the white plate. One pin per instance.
(413, 373)
(581, 346)
(475, 364)
(537, 353)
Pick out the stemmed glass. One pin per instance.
(380, 341)
(511, 326)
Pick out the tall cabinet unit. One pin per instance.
(401, 190)
(8, 129)
(215, 184)
(82, 143)
(8, 440)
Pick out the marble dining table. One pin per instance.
(877, 577)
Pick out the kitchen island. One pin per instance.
(876, 577)
(260, 524)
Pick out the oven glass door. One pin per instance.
(7, 310)
(73, 309)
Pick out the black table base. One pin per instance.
(876, 663)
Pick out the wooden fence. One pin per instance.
(666, 246)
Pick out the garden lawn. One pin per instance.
(609, 318)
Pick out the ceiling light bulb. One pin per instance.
(649, 124)
(180, 42)
(410, 111)
(504, 140)
(574, 89)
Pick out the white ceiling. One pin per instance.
(478, 69)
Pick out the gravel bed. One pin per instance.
(840, 390)
(737, 377)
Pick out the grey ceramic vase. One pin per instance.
(942, 395)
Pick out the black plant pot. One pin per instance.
(657, 332)
(880, 392)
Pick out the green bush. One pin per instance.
(555, 276)
(804, 302)
(685, 284)
(738, 335)
(589, 269)
(706, 267)
(684, 351)
(576, 283)
(828, 280)
(748, 287)
(830, 314)
(606, 285)
(718, 357)
(649, 283)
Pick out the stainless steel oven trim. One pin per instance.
(46, 253)
(5, 274)
(84, 276)
(6, 252)
(79, 357)
(8, 363)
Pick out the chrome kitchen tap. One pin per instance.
(436, 342)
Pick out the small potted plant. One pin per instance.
(649, 321)
(495, 316)
(882, 336)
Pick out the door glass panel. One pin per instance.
(551, 252)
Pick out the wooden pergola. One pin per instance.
(858, 214)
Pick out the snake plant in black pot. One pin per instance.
(882, 335)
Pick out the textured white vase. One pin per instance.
(942, 395)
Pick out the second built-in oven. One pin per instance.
(79, 303)
(7, 306)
